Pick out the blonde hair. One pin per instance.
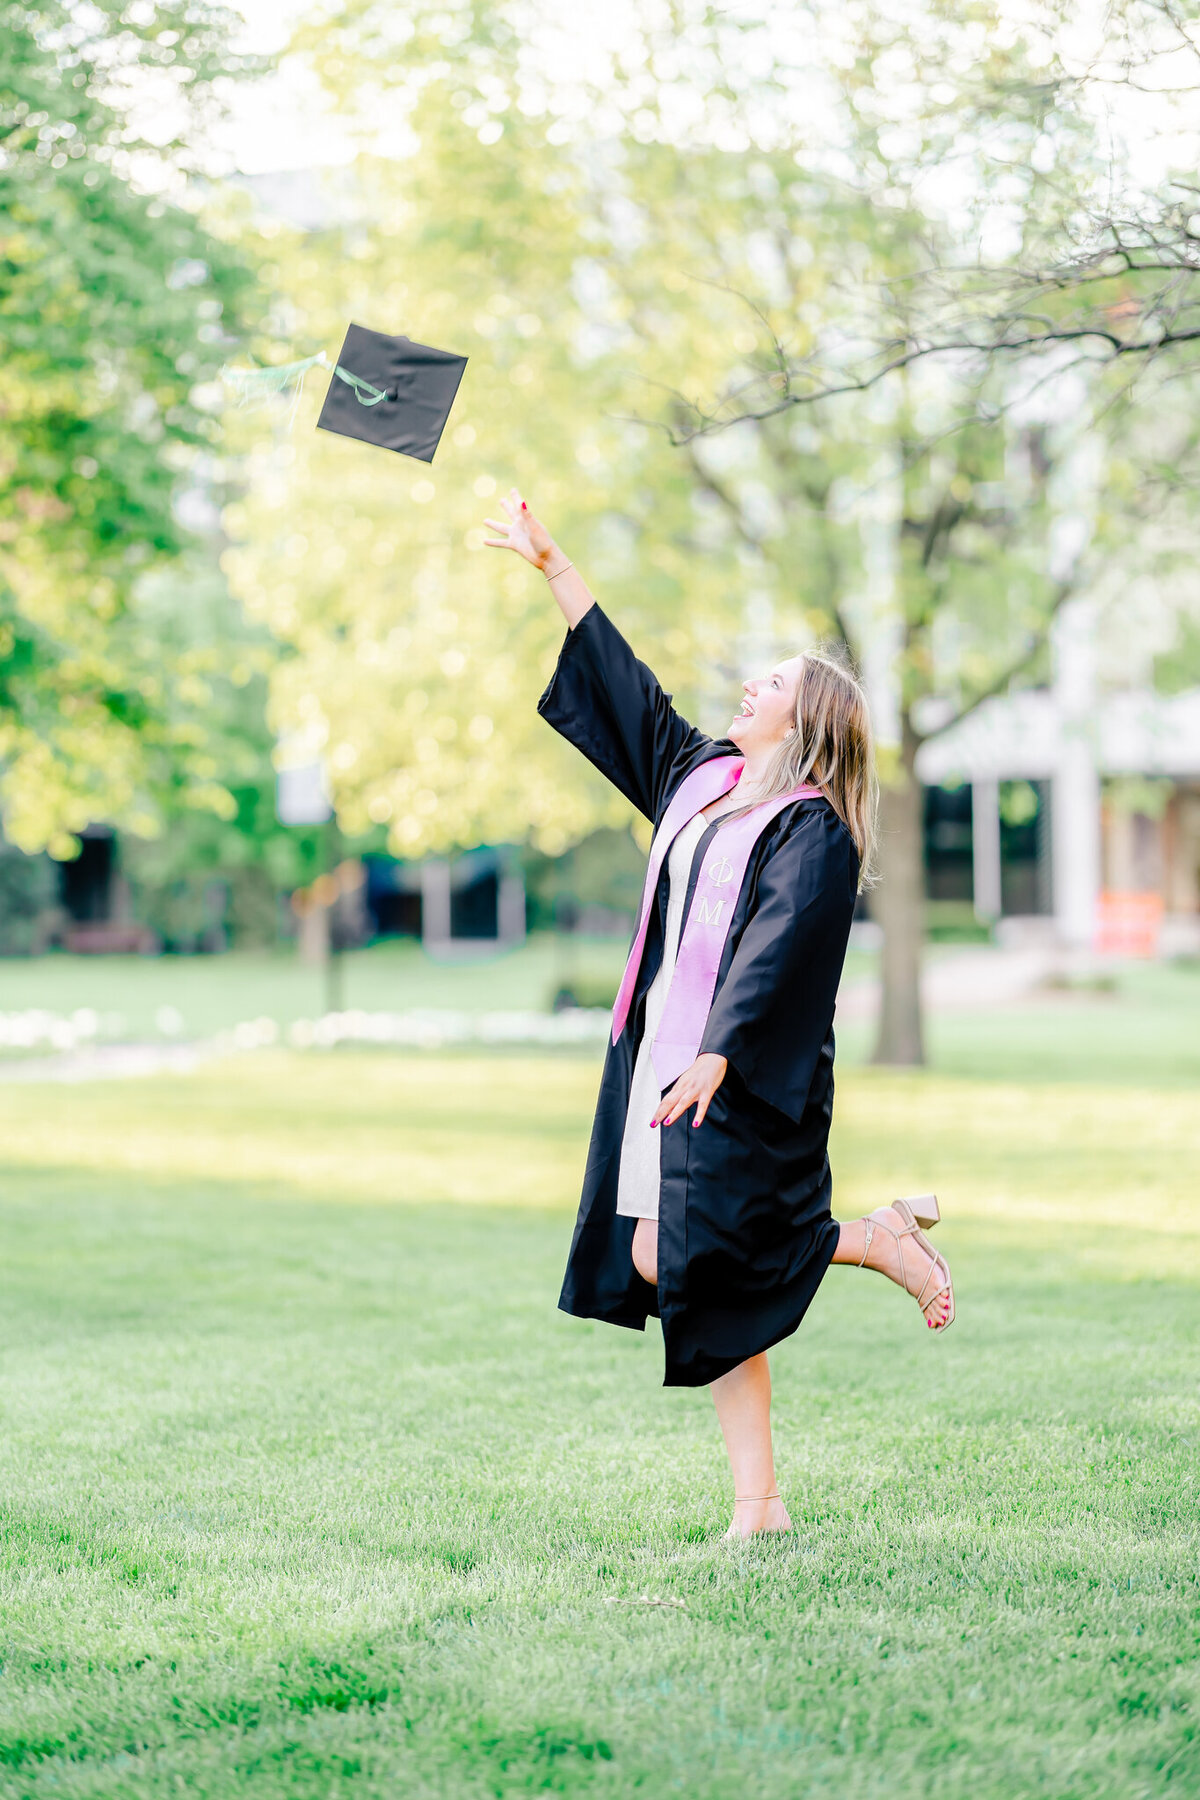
(831, 746)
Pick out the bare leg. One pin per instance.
(743, 1402)
(884, 1257)
(743, 1397)
(645, 1250)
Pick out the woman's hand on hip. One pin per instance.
(524, 534)
(695, 1087)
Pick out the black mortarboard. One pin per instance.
(391, 392)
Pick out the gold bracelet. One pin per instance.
(559, 572)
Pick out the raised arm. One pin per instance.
(530, 539)
(600, 697)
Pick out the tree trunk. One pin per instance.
(899, 905)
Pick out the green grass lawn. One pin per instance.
(309, 1491)
(1146, 1030)
(214, 992)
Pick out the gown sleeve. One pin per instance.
(610, 706)
(772, 1014)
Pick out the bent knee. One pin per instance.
(645, 1250)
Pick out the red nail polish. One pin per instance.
(524, 508)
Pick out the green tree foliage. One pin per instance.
(942, 347)
(216, 791)
(914, 521)
(117, 306)
(721, 283)
(414, 657)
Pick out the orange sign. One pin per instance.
(1129, 924)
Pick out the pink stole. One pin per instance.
(714, 902)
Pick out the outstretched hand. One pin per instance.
(522, 532)
(695, 1087)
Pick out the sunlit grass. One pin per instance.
(512, 1130)
(309, 1491)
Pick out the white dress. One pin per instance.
(638, 1180)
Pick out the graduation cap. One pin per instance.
(391, 392)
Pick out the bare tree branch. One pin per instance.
(1013, 670)
(712, 484)
(721, 492)
(711, 421)
(1149, 265)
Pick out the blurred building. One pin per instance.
(1076, 805)
(84, 906)
(474, 898)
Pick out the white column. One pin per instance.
(510, 907)
(985, 848)
(1075, 828)
(435, 902)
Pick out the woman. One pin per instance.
(722, 1226)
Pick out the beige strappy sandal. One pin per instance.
(924, 1207)
(938, 1281)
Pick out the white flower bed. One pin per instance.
(433, 1029)
(36, 1029)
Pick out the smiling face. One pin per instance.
(768, 710)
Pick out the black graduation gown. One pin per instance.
(745, 1232)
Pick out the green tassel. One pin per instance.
(364, 393)
(255, 387)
